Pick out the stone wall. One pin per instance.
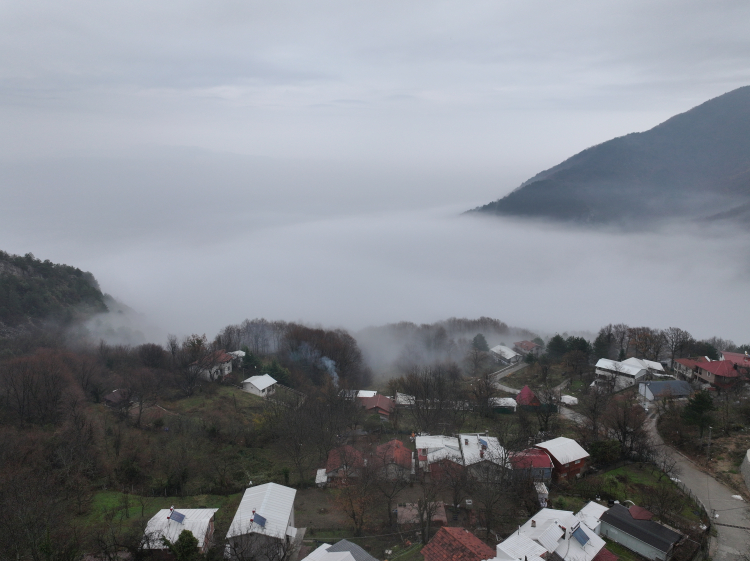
(745, 469)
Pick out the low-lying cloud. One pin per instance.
(196, 245)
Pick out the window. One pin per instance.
(578, 462)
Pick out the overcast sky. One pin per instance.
(211, 161)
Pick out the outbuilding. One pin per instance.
(670, 389)
(262, 386)
(634, 529)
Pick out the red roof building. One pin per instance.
(344, 462)
(379, 404)
(394, 452)
(719, 373)
(535, 462)
(527, 397)
(640, 513)
(605, 555)
(526, 347)
(456, 544)
(740, 359)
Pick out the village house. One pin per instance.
(343, 463)
(553, 534)
(653, 367)
(262, 386)
(532, 463)
(436, 454)
(456, 544)
(527, 398)
(378, 405)
(343, 550)
(504, 355)
(741, 360)
(688, 367)
(482, 455)
(667, 389)
(623, 375)
(721, 374)
(117, 399)
(568, 457)
(263, 526)
(633, 528)
(527, 347)
(215, 366)
(169, 523)
(394, 460)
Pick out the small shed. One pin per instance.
(503, 404)
(568, 400)
(262, 386)
(527, 398)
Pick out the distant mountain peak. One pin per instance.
(695, 165)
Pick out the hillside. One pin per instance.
(693, 166)
(32, 291)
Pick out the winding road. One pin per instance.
(732, 544)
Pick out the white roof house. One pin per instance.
(568, 400)
(505, 353)
(551, 531)
(170, 523)
(367, 393)
(590, 515)
(655, 367)
(508, 402)
(322, 554)
(260, 382)
(237, 354)
(564, 450)
(266, 509)
(437, 448)
(478, 448)
(620, 368)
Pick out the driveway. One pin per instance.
(500, 374)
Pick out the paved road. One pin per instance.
(732, 543)
(500, 374)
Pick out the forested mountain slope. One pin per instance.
(695, 165)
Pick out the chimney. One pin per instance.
(481, 452)
(466, 441)
(533, 523)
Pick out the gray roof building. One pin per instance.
(634, 529)
(357, 552)
(665, 390)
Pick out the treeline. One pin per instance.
(396, 348)
(618, 341)
(31, 289)
(308, 356)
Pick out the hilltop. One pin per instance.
(694, 166)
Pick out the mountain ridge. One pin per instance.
(694, 165)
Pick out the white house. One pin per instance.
(214, 366)
(505, 355)
(650, 365)
(625, 375)
(260, 385)
(169, 523)
(549, 534)
(263, 526)
(431, 449)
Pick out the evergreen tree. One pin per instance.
(698, 410)
(479, 343)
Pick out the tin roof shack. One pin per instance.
(668, 389)
(340, 551)
(634, 529)
(532, 463)
(262, 386)
(263, 526)
(568, 457)
(456, 544)
(170, 523)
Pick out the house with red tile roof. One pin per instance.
(379, 404)
(741, 360)
(394, 459)
(215, 366)
(687, 367)
(456, 544)
(344, 462)
(721, 374)
(527, 398)
(526, 347)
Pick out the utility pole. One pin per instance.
(708, 450)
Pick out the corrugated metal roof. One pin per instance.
(518, 546)
(196, 520)
(506, 352)
(643, 363)
(621, 367)
(471, 449)
(564, 450)
(591, 513)
(356, 551)
(261, 382)
(274, 502)
(647, 531)
(323, 553)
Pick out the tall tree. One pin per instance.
(676, 341)
(698, 410)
